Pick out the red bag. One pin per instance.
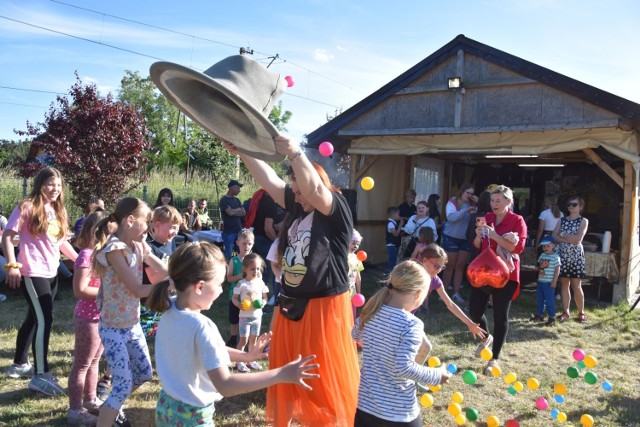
(488, 269)
(250, 216)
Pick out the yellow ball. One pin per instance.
(457, 397)
(496, 371)
(433, 362)
(493, 421)
(435, 388)
(511, 377)
(426, 400)
(560, 389)
(562, 417)
(518, 386)
(460, 419)
(367, 183)
(454, 408)
(586, 420)
(486, 354)
(245, 304)
(590, 361)
(533, 383)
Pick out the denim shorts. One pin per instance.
(249, 326)
(451, 244)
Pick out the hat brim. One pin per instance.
(217, 109)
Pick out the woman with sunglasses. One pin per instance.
(568, 234)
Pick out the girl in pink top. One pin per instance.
(41, 223)
(88, 347)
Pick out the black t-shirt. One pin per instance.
(407, 210)
(230, 224)
(162, 251)
(267, 208)
(315, 258)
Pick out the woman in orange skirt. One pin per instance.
(315, 314)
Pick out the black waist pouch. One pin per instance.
(292, 308)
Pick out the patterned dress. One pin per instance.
(572, 256)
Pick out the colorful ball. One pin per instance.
(559, 398)
(454, 408)
(573, 372)
(245, 304)
(486, 354)
(581, 364)
(512, 390)
(452, 368)
(435, 388)
(560, 389)
(460, 419)
(541, 404)
(457, 397)
(361, 255)
(554, 413)
(469, 377)
(289, 81)
(512, 423)
(357, 300)
(586, 420)
(590, 362)
(533, 383)
(493, 421)
(496, 371)
(367, 183)
(472, 414)
(562, 417)
(578, 354)
(433, 362)
(511, 377)
(325, 149)
(518, 386)
(258, 303)
(426, 400)
(607, 386)
(590, 378)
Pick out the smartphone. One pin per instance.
(480, 221)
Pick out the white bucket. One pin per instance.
(606, 242)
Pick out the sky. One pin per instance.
(337, 52)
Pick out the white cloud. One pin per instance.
(341, 48)
(322, 55)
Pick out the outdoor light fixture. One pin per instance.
(541, 165)
(510, 156)
(454, 83)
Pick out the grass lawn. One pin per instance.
(612, 336)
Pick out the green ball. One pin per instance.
(472, 414)
(573, 372)
(513, 391)
(590, 378)
(581, 364)
(469, 377)
(258, 303)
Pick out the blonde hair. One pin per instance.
(167, 214)
(505, 191)
(189, 264)
(34, 206)
(251, 258)
(405, 278)
(245, 233)
(85, 237)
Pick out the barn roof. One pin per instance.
(628, 110)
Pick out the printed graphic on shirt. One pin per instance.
(53, 226)
(294, 259)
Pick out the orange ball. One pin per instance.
(361, 255)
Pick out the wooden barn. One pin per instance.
(472, 113)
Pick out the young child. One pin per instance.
(250, 295)
(433, 259)
(88, 347)
(41, 222)
(191, 358)
(120, 253)
(234, 275)
(425, 237)
(391, 337)
(355, 266)
(393, 237)
(548, 272)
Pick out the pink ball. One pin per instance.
(542, 404)
(578, 354)
(326, 148)
(289, 81)
(357, 300)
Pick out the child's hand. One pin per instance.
(477, 331)
(257, 352)
(296, 371)
(444, 375)
(553, 285)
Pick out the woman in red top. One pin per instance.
(499, 222)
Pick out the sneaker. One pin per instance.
(488, 370)
(20, 371)
(241, 367)
(550, 322)
(93, 406)
(457, 298)
(536, 318)
(81, 417)
(255, 366)
(484, 344)
(104, 388)
(3, 297)
(121, 420)
(46, 384)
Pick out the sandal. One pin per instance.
(563, 317)
(582, 318)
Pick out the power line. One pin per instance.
(31, 90)
(22, 105)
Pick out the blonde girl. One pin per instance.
(391, 337)
(41, 223)
(191, 357)
(253, 289)
(434, 259)
(120, 252)
(244, 242)
(83, 378)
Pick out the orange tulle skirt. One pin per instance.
(324, 330)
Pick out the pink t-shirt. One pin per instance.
(39, 255)
(87, 308)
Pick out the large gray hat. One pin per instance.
(232, 100)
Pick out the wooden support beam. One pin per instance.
(359, 172)
(593, 156)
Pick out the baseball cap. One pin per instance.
(546, 240)
(233, 182)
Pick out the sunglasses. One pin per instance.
(438, 267)
(572, 205)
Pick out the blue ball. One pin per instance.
(452, 368)
(607, 386)
(554, 413)
(559, 398)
